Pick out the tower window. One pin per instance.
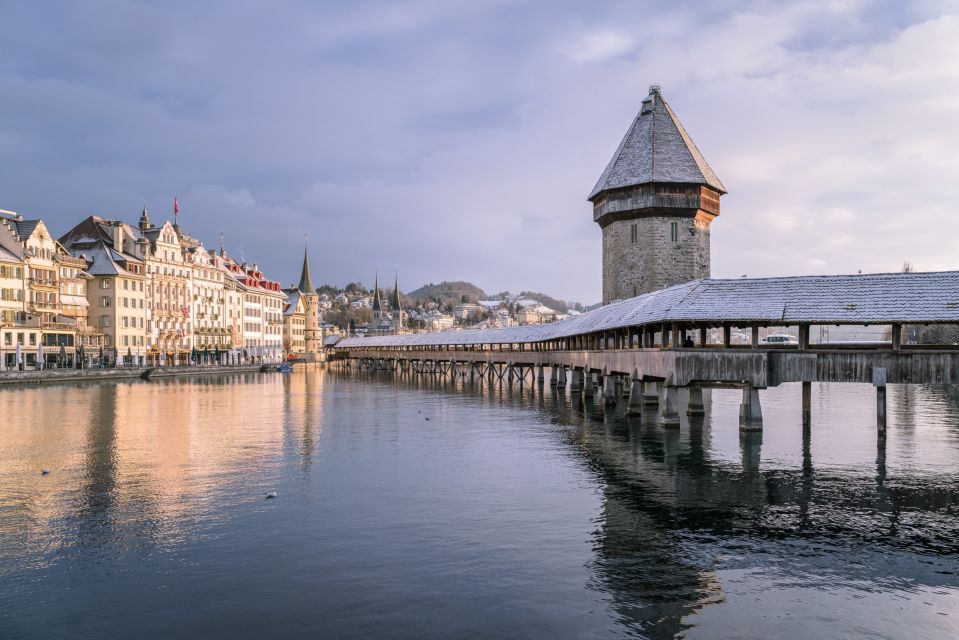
(633, 233)
(674, 231)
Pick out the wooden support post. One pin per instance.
(553, 378)
(561, 378)
(755, 340)
(634, 406)
(703, 335)
(804, 336)
(806, 403)
(896, 337)
(675, 340)
(879, 381)
(727, 335)
(663, 336)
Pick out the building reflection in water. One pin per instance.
(679, 506)
(675, 513)
(161, 458)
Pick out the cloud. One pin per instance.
(599, 46)
(459, 140)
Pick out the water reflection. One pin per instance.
(701, 531)
(677, 515)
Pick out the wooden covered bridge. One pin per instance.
(681, 336)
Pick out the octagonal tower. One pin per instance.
(655, 202)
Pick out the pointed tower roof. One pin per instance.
(656, 148)
(395, 299)
(306, 280)
(376, 293)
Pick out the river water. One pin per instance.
(416, 510)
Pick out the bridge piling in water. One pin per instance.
(650, 394)
(609, 388)
(669, 405)
(577, 382)
(634, 406)
(806, 403)
(750, 411)
(879, 381)
(695, 406)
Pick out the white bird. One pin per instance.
(271, 495)
(44, 472)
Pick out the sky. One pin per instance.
(459, 140)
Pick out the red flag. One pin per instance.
(176, 206)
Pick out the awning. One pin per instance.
(77, 301)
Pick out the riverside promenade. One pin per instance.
(55, 376)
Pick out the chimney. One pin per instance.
(118, 236)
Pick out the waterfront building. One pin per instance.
(262, 321)
(169, 292)
(654, 203)
(12, 299)
(211, 333)
(74, 317)
(233, 290)
(50, 335)
(116, 293)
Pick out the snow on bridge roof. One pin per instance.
(881, 298)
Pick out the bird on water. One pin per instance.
(271, 495)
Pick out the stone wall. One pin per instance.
(654, 261)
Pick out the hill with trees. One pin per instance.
(448, 293)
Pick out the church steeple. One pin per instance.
(395, 298)
(306, 280)
(377, 306)
(395, 305)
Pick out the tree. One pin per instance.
(907, 267)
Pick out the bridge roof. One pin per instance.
(881, 298)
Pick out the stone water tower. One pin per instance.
(655, 202)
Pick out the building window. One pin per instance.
(674, 231)
(104, 284)
(633, 233)
(104, 301)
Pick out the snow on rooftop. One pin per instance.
(855, 299)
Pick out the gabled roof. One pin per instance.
(25, 227)
(102, 260)
(8, 256)
(656, 148)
